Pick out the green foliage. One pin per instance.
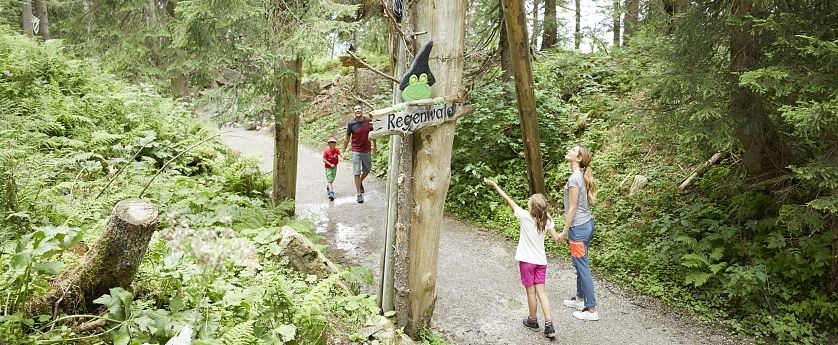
(212, 265)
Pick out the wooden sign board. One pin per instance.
(414, 116)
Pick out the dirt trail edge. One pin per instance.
(480, 298)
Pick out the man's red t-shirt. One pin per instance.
(360, 132)
(331, 156)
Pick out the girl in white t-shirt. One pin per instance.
(532, 259)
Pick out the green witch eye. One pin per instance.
(423, 78)
(412, 79)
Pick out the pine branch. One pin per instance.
(385, 75)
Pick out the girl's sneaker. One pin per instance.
(531, 324)
(549, 330)
(586, 315)
(574, 303)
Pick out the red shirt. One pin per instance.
(360, 132)
(331, 156)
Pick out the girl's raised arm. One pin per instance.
(503, 195)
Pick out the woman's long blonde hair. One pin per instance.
(538, 207)
(585, 157)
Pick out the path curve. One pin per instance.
(479, 296)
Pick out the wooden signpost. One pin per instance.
(418, 111)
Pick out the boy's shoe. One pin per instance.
(331, 195)
(362, 188)
(360, 199)
(586, 315)
(531, 324)
(574, 303)
(549, 330)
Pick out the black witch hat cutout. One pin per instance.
(417, 82)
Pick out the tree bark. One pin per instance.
(632, 17)
(535, 24)
(832, 277)
(286, 116)
(753, 127)
(516, 28)
(43, 18)
(615, 28)
(112, 262)
(431, 171)
(503, 47)
(551, 25)
(577, 36)
(88, 18)
(151, 13)
(26, 17)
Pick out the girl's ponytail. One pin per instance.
(587, 173)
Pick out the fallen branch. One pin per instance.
(173, 158)
(368, 104)
(366, 65)
(692, 176)
(91, 325)
(120, 171)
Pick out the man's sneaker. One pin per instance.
(549, 330)
(574, 303)
(532, 324)
(360, 199)
(362, 188)
(586, 315)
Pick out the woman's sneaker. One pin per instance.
(549, 330)
(531, 324)
(574, 303)
(586, 315)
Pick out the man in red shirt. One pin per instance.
(358, 131)
(331, 157)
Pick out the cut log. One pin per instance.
(639, 182)
(112, 262)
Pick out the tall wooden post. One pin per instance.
(444, 22)
(285, 134)
(522, 69)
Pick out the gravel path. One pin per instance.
(480, 299)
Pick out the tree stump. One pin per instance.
(112, 262)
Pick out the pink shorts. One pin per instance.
(532, 274)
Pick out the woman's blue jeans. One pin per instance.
(580, 239)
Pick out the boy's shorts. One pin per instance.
(330, 174)
(532, 274)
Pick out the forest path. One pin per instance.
(480, 299)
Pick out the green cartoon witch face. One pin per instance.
(418, 88)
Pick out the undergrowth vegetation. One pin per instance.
(727, 250)
(213, 265)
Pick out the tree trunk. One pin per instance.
(151, 13)
(26, 18)
(88, 19)
(503, 47)
(551, 25)
(431, 172)
(112, 262)
(535, 24)
(615, 29)
(577, 36)
(287, 121)
(753, 127)
(43, 18)
(516, 28)
(832, 277)
(632, 17)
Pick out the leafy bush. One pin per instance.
(77, 142)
